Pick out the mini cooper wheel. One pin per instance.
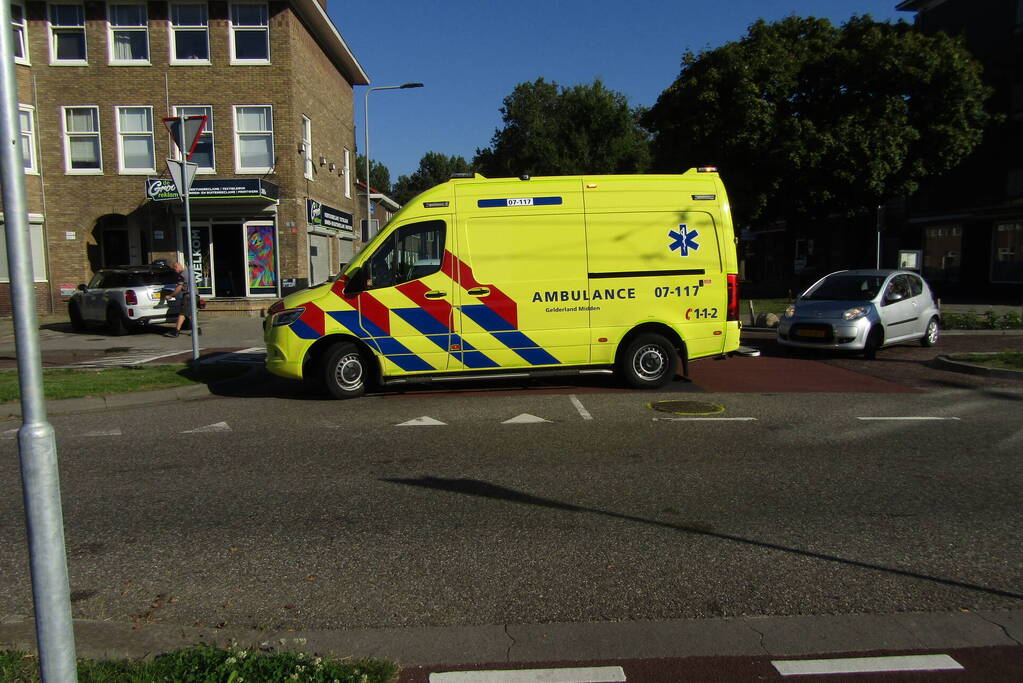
(930, 337)
(648, 362)
(115, 322)
(345, 371)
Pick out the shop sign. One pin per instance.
(328, 216)
(163, 189)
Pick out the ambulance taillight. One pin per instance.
(733, 296)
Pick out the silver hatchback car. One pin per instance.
(862, 310)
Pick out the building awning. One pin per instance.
(163, 189)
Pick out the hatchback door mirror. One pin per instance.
(83, 288)
(892, 297)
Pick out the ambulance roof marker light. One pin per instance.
(707, 169)
(524, 176)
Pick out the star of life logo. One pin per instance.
(683, 240)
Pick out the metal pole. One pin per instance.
(37, 447)
(878, 263)
(365, 126)
(194, 294)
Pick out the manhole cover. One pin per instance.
(688, 407)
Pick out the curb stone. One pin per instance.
(447, 645)
(113, 401)
(951, 363)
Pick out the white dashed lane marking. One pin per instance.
(905, 417)
(585, 414)
(857, 665)
(597, 674)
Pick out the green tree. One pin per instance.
(434, 169)
(805, 117)
(379, 175)
(552, 130)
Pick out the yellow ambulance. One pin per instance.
(515, 277)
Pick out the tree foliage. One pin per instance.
(803, 116)
(434, 168)
(551, 130)
(379, 175)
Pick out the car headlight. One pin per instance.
(790, 310)
(286, 317)
(855, 313)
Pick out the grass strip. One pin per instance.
(76, 383)
(208, 664)
(1002, 360)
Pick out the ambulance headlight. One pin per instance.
(790, 310)
(855, 313)
(286, 317)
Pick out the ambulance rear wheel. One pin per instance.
(649, 362)
(345, 371)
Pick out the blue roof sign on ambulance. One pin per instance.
(518, 201)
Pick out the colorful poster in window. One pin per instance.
(261, 245)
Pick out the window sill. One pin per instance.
(255, 171)
(84, 171)
(191, 62)
(69, 62)
(250, 62)
(137, 171)
(23, 61)
(137, 62)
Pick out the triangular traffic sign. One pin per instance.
(185, 131)
(182, 173)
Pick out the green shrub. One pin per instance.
(989, 320)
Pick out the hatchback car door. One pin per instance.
(94, 299)
(899, 309)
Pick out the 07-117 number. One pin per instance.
(688, 290)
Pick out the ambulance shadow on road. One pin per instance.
(484, 489)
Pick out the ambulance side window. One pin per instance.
(411, 252)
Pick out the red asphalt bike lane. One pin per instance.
(980, 665)
(766, 374)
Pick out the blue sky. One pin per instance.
(470, 54)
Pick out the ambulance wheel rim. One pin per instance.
(650, 362)
(348, 372)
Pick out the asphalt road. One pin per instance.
(278, 510)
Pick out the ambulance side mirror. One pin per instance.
(357, 282)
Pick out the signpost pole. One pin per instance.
(184, 146)
(37, 446)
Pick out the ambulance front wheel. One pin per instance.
(345, 371)
(649, 362)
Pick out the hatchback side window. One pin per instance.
(96, 281)
(916, 285)
(897, 290)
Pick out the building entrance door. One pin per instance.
(228, 261)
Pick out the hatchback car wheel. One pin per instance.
(930, 337)
(75, 313)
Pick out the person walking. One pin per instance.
(181, 291)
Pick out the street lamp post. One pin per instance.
(366, 129)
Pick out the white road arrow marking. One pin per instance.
(524, 418)
(423, 421)
(217, 427)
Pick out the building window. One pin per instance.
(81, 140)
(1007, 256)
(203, 154)
(67, 34)
(346, 174)
(253, 139)
(20, 34)
(135, 139)
(26, 117)
(307, 146)
(190, 42)
(129, 34)
(250, 33)
(943, 248)
(35, 236)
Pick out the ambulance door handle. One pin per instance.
(435, 294)
(478, 291)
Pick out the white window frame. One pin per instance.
(171, 27)
(54, 61)
(207, 133)
(307, 146)
(37, 241)
(239, 133)
(20, 34)
(112, 29)
(122, 134)
(346, 174)
(235, 29)
(92, 134)
(29, 136)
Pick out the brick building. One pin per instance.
(970, 220)
(273, 204)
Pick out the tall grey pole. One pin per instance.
(193, 308)
(365, 128)
(37, 447)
